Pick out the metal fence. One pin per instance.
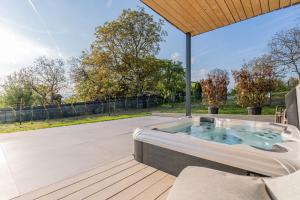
(114, 105)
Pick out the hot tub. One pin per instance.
(236, 146)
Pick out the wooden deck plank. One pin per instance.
(164, 195)
(88, 191)
(139, 187)
(56, 186)
(124, 179)
(156, 190)
(122, 185)
(87, 182)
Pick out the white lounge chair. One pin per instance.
(198, 183)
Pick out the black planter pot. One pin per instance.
(254, 110)
(213, 110)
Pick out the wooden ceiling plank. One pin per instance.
(274, 4)
(239, 8)
(202, 25)
(199, 16)
(285, 3)
(185, 15)
(203, 4)
(256, 7)
(232, 10)
(264, 4)
(202, 13)
(177, 22)
(223, 6)
(185, 19)
(213, 4)
(247, 8)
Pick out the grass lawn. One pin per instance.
(202, 109)
(14, 127)
(167, 108)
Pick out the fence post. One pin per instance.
(137, 101)
(60, 110)
(85, 107)
(108, 105)
(74, 109)
(14, 113)
(20, 111)
(148, 102)
(126, 103)
(31, 113)
(46, 111)
(115, 105)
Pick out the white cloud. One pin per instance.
(198, 74)
(18, 51)
(109, 3)
(175, 56)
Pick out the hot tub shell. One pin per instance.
(171, 152)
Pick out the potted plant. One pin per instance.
(214, 89)
(253, 82)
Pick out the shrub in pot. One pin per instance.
(214, 89)
(252, 84)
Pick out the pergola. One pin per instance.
(194, 17)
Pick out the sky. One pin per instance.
(64, 28)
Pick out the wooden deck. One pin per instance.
(120, 180)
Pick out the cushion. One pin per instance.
(284, 187)
(197, 183)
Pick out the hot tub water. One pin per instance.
(263, 138)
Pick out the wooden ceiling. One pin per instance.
(200, 16)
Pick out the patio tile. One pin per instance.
(34, 159)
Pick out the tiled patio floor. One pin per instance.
(35, 159)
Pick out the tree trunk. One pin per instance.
(46, 110)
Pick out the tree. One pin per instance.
(292, 82)
(121, 61)
(214, 87)
(263, 64)
(46, 78)
(93, 80)
(172, 80)
(285, 50)
(130, 43)
(16, 91)
(281, 86)
(197, 91)
(253, 82)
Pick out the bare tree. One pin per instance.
(47, 78)
(285, 50)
